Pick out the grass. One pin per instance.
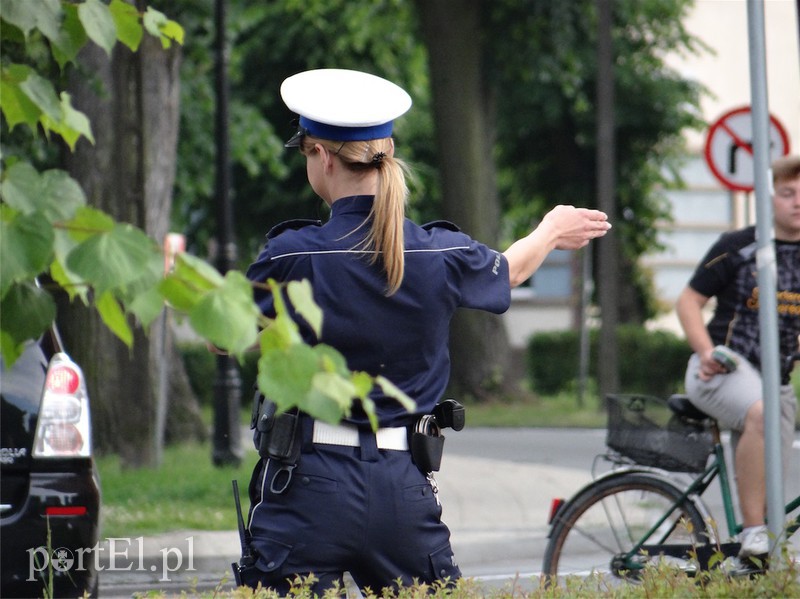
(186, 492)
(558, 411)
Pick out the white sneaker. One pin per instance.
(755, 541)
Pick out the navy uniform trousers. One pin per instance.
(363, 510)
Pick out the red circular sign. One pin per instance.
(729, 148)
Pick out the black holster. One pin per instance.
(278, 438)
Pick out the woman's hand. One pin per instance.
(573, 228)
(563, 228)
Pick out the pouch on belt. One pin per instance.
(427, 440)
(278, 438)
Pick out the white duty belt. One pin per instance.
(347, 434)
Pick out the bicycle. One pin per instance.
(637, 513)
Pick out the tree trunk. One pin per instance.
(462, 109)
(133, 102)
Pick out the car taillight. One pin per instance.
(64, 427)
(62, 379)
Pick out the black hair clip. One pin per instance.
(377, 159)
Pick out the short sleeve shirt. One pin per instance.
(403, 337)
(729, 273)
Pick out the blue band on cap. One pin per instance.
(334, 133)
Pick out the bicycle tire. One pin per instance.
(607, 518)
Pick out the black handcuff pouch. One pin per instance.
(427, 440)
(427, 447)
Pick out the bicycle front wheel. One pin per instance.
(599, 530)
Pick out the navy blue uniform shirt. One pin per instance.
(403, 337)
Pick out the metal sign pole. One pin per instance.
(767, 275)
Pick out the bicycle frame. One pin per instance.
(693, 493)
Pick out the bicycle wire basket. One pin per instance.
(644, 429)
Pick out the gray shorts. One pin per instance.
(728, 397)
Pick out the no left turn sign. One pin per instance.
(729, 148)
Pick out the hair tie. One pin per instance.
(377, 159)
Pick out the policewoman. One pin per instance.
(357, 502)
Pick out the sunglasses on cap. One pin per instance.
(296, 141)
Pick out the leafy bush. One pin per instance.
(651, 362)
(661, 581)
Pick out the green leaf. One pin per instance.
(171, 30)
(285, 376)
(63, 193)
(26, 248)
(369, 409)
(284, 330)
(227, 316)
(391, 390)
(363, 384)
(53, 193)
(302, 299)
(88, 222)
(126, 19)
(147, 306)
(27, 312)
(70, 38)
(335, 386)
(68, 281)
(331, 360)
(98, 23)
(42, 93)
(189, 281)
(16, 105)
(20, 188)
(10, 350)
(328, 398)
(114, 259)
(71, 123)
(197, 273)
(26, 15)
(114, 318)
(178, 293)
(158, 25)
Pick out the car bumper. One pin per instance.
(50, 540)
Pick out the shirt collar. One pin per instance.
(352, 205)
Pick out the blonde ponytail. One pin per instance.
(385, 239)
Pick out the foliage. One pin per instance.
(269, 41)
(660, 581)
(542, 60)
(653, 362)
(48, 231)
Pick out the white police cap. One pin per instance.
(343, 105)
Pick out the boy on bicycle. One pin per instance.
(730, 390)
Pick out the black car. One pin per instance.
(49, 489)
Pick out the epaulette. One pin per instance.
(441, 224)
(294, 224)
